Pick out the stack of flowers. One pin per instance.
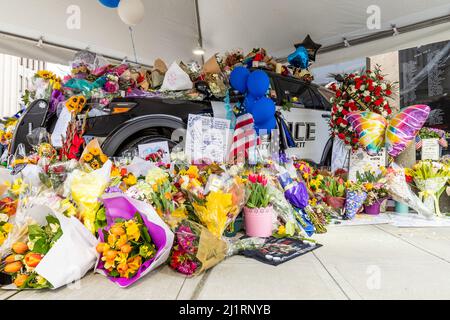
(93, 155)
(26, 256)
(127, 244)
(430, 177)
(358, 92)
(374, 184)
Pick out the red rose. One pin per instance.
(380, 78)
(388, 92)
(358, 85)
(346, 142)
(345, 112)
(355, 140)
(341, 136)
(378, 91)
(338, 93)
(378, 102)
(353, 107)
(367, 99)
(344, 122)
(339, 121)
(371, 88)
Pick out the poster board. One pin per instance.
(430, 149)
(207, 139)
(425, 79)
(361, 161)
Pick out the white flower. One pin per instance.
(366, 93)
(340, 109)
(54, 227)
(342, 125)
(362, 88)
(30, 245)
(352, 88)
(3, 217)
(331, 100)
(350, 128)
(383, 86)
(384, 114)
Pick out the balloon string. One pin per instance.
(132, 42)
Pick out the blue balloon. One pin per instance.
(263, 110)
(249, 102)
(299, 58)
(258, 83)
(268, 125)
(110, 3)
(238, 79)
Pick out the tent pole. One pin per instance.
(382, 34)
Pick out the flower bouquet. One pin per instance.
(400, 191)
(134, 242)
(431, 177)
(334, 189)
(85, 188)
(355, 198)
(375, 186)
(196, 249)
(93, 155)
(48, 250)
(358, 92)
(258, 212)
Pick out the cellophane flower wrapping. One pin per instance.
(353, 202)
(223, 202)
(119, 206)
(196, 249)
(400, 191)
(430, 191)
(86, 189)
(73, 254)
(283, 208)
(294, 191)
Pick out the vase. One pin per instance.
(258, 221)
(374, 208)
(401, 208)
(335, 202)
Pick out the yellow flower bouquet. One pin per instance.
(93, 155)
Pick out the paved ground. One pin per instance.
(356, 262)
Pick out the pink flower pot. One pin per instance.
(258, 221)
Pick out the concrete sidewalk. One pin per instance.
(355, 262)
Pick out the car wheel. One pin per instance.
(131, 149)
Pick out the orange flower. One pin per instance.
(95, 151)
(32, 259)
(20, 280)
(134, 263)
(13, 267)
(168, 195)
(103, 158)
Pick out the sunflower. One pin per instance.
(88, 157)
(95, 165)
(103, 158)
(95, 151)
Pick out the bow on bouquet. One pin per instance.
(375, 131)
(431, 178)
(134, 242)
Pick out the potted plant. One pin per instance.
(375, 186)
(258, 213)
(334, 188)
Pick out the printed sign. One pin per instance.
(430, 149)
(361, 161)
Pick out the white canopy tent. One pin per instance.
(169, 29)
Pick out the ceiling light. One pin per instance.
(198, 51)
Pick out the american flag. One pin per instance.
(418, 143)
(244, 138)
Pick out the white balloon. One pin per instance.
(131, 11)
